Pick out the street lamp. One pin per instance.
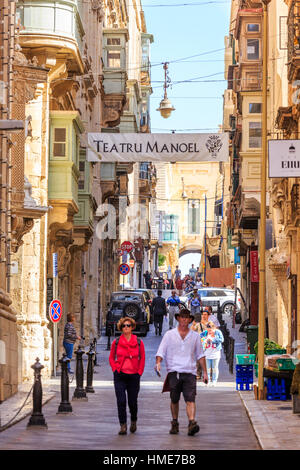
(165, 106)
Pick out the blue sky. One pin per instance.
(181, 32)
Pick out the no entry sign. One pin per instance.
(55, 311)
(127, 246)
(124, 269)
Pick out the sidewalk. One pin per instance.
(275, 425)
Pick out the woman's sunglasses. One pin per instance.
(127, 325)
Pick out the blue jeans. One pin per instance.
(214, 365)
(69, 352)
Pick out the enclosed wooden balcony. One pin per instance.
(52, 30)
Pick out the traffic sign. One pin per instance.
(131, 263)
(238, 275)
(55, 311)
(124, 269)
(54, 258)
(127, 246)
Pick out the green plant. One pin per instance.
(268, 346)
(161, 259)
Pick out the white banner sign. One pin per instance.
(108, 147)
(284, 158)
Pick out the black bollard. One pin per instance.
(79, 392)
(90, 371)
(108, 338)
(65, 406)
(37, 417)
(95, 349)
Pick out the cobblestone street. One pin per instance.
(223, 421)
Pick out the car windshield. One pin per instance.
(126, 297)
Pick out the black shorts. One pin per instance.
(182, 382)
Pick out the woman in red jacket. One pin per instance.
(127, 363)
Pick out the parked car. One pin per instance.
(210, 295)
(149, 296)
(128, 304)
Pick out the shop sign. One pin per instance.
(254, 268)
(284, 158)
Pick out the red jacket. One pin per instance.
(128, 352)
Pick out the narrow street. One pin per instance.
(223, 421)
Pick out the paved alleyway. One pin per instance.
(94, 425)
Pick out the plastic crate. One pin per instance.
(286, 364)
(244, 369)
(275, 351)
(245, 359)
(244, 386)
(276, 390)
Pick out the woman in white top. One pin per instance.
(212, 340)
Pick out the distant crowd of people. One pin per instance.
(182, 284)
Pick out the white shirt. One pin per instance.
(181, 354)
(210, 349)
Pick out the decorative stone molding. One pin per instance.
(113, 106)
(6, 310)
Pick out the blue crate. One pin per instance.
(244, 386)
(276, 390)
(244, 369)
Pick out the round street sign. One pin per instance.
(131, 263)
(124, 269)
(55, 311)
(127, 246)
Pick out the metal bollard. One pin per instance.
(65, 406)
(79, 392)
(108, 338)
(90, 371)
(95, 349)
(37, 417)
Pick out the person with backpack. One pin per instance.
(127, 360)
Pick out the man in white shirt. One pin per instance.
(181, 349)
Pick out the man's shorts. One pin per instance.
(182, 382)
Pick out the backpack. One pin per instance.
(117, 342)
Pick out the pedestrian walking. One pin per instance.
(148, 280)
(173, 302)
(179, 283)
(195, 305)
(127, 360)
(204, 321)
(192, 272)
(211, 316)
(159, 309)
(181, 349)
(177, 273)
(70, 337)
(212, 340)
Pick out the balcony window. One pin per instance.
(59, 143)
(145, 173)
(193, 216)
(113, 41)
(170, 228)
(108, 172)
(252, 49)
(113, 59)
(81, 180)
(255, 108)
(252, 28)
(254, 134)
